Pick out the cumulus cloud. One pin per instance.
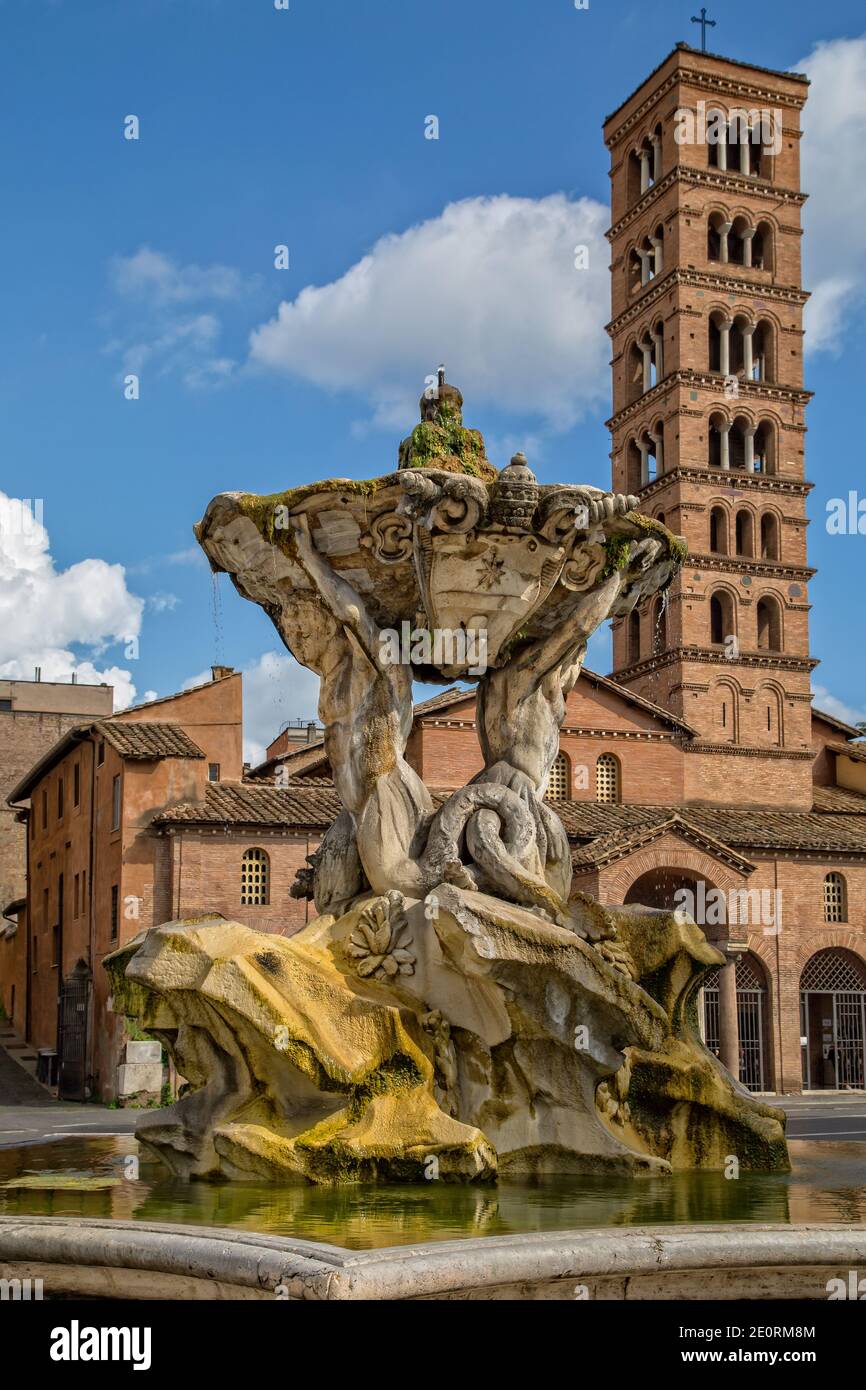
(44, 612)
(490, 287)
(834, 140)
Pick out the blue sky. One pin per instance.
(305, 127)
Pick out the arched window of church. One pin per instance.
(721, 618)
(633, 636)
(744, 533)
(255, 878)
(769, 537)
(607, 787)
(835, 899)
(718, 531)
(558, 782)
(769, 625)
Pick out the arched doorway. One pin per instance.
(751, 1017)
(833, 1021)
(659, 887)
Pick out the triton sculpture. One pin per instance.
(454, 1010)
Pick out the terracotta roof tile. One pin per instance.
(146, 740)
(300, 807)
(840, 799)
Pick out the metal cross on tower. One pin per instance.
(705, 24)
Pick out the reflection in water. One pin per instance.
(827, 1184)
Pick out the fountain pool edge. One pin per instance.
(134, 1260)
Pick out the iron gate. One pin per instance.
(750, 1022)
(73, 1012)
(848, 1011)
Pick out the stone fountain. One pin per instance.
(454, 1010)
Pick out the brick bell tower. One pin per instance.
(708, 413)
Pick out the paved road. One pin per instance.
(824, 1117)
(17, 1086)
(33, 1125)
(29, 1114)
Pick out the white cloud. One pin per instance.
(823, 700)
(276, 689)
(165, 335)
(834, 175)
(489, 287)
(44, 612)
(153, 275)
(162, 603)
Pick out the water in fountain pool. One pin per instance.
(87, 1177)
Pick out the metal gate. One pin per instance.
(72, 1034)
(848, 1011)
(750, 1022)
(751, 1025)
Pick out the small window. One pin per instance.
(6, 706)
(83, 891)
(115, 803)
(557, 783)
(76, 784)
(100, 753)
(34, 959)
(55, 946)
(255, 875)
(607, 778)
(44, 809)
(115, 891)
(45, 907)
(76, 890)
(835, 905)
(60, 798)
(213, 772)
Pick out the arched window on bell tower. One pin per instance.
(769, 623)
(722, 624)
(633, 637)
(769, 537)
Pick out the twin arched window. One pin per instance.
(255, 878)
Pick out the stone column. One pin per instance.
(723, 145)
(644, 266)
(643, 156)
(647, 366)
(659, 440)
(724, 252)
(725, 441)
(749, 440)
(658, 339)
(748, 357)
(656, 243)
(748, 236)
(657, 157)
(729, 1025)
(725, 346)
(644, 463)
(744, 146)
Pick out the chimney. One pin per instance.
(218, 673)
(37, 675)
